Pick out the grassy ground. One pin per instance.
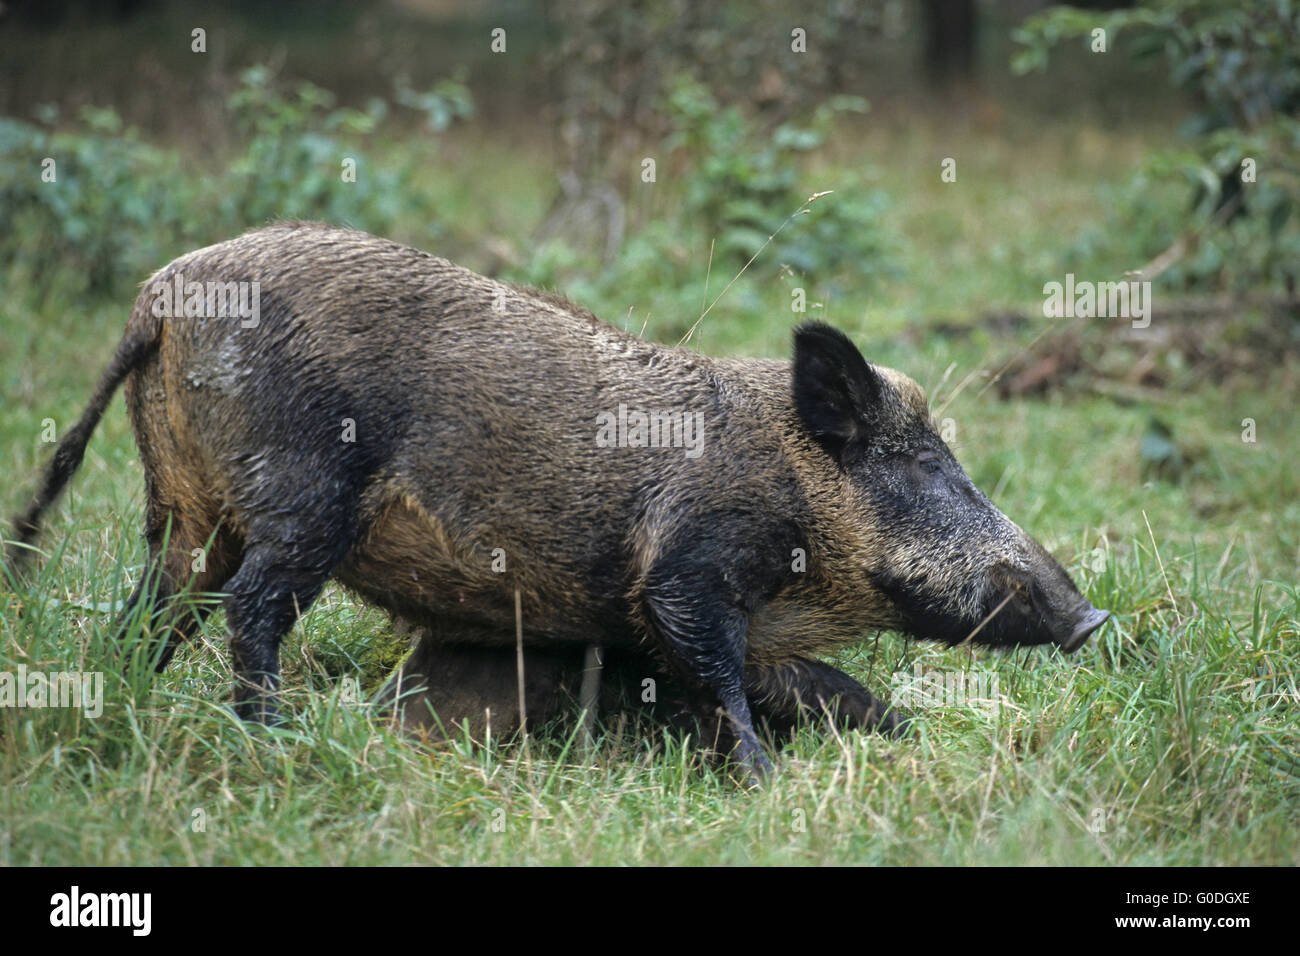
(1170, 739)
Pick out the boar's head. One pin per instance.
(945, 562)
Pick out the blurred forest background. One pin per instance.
(524, 154)
(639, 158)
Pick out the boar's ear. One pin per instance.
(836, 393)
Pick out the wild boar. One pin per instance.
(312, 402)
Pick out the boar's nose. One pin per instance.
(1090, 618)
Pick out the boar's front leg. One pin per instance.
(801, 690)
(694, 613)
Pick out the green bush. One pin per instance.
(743, 184)
(119, 208)
(292, 165)
(736, 185)
(115, 205)
(1241, 62)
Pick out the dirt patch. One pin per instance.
(1195, 340)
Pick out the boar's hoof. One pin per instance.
(748, 754)
(255, 705)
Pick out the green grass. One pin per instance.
(1172, 738)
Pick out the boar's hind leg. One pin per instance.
(187, 557)
(284, 568)
(703, 638)
(801, 690)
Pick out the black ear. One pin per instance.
(836, 393)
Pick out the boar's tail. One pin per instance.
(135, 347)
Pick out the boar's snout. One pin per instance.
(1087, 621)
(1042, 605)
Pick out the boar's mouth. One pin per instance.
(1016, 615)
(924, 614)
(1038, 609)
(1017, 624)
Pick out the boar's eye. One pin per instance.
(927, 470)
(928, 463)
